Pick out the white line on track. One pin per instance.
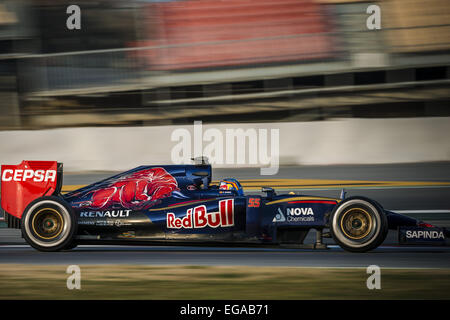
(420, 211)
(347, 188)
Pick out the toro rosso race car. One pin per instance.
(177, 204)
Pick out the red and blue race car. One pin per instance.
(177, 204)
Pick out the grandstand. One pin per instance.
(155, 62)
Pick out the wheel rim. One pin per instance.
(345, 236)
(356, 223)
(47, 223)
(38, 229)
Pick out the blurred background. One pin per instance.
(368, 110)
(152, 62)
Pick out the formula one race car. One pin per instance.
(176, 204)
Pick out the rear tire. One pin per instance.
(48, 224)
(358, 224)
(71, 246)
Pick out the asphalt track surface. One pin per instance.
(425, 201)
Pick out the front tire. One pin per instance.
(358, 224)
(48, 224)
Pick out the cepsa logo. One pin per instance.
(198, 217)
(28, 175)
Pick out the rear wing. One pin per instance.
(27, 181)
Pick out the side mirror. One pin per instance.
(270, 192)
(343, 194)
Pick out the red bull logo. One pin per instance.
(199, 217)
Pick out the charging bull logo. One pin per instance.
(198, 217)
(138, 190)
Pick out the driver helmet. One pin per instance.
(228, 185)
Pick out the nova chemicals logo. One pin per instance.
(300, 215)
(279, 217)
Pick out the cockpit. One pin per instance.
(231, 184)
